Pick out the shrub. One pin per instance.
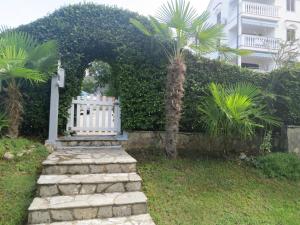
(235, 110)
(285, 85)
(280, 165)
(266, 145)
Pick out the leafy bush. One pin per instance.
(285, 85)
(89, 85)
(202, 72)
(266, 145)
(280, 165)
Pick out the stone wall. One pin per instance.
(293, 139)
(190, 142)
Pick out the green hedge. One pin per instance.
(143, 105)
(285, 84)
(201, 72)
(88, 32)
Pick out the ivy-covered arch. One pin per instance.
(86, 32)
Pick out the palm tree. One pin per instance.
(235, 111)
(22, 59)
(178, 23)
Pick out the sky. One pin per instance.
(16, 12)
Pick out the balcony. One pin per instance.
(258, 9)
(254, 42)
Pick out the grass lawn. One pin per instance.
(18, 179)
(195, 192)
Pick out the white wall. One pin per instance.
(288, 19)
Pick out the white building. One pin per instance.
(257, 25)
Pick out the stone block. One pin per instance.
(97, 168)
(36, 217)
(86, 213)
(122, 211)
(88, 189)
(139, 209)
(48, 190)
(55, 169)
(102, 187)
(69, 189)
(113, 168)
(133, 186)
(79, 169)
(117, 187)
(61, 215)
(105, 212)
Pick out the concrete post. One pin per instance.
(54, 105)
(117, 111)
(56, 82)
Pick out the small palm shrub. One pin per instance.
(279, 165)
(22, 59)
(235, 111)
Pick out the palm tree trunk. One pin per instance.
(14, 108)
(174, 95)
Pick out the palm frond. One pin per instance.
(178, 14)
(235, 110)
(43, 57)
(227, 54)
(30, 75)
(20, 40)
(140, 27)
(207, 38)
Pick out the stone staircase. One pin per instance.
(89, 185)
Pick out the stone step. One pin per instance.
(87, 148)
(52, 185)
(144, 219)
(85, 207)
(87, 140)
(81, 161)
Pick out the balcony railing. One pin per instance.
(260, 9)
(259, 42)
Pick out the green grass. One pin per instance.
(196, 192)
(18, 178)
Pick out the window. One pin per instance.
(291, 35)
(250, 66)
(290, 5)
(219, 17)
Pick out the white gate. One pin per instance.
(94, 115)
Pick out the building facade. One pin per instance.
(257, 25)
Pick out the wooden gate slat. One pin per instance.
(78, 115)
(103, 116)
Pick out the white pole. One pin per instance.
(54, 104)
(56, 82)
